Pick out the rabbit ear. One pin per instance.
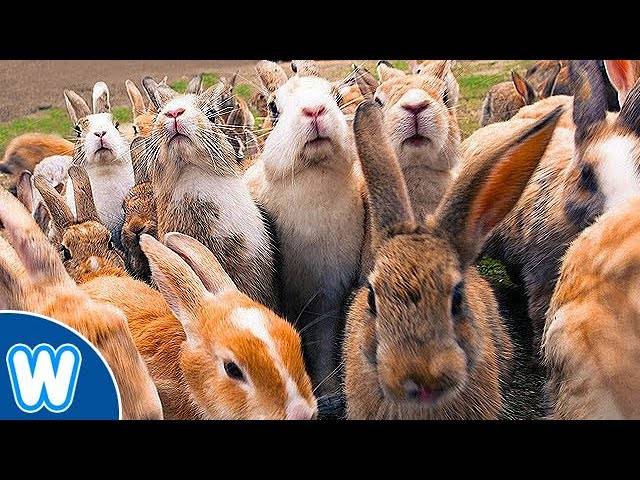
(366, 82)
(271, 75)
(387, 191)
(41, 262)
(413, 66)
(234, 79)
(100, 97)
(85, 206)
(179, 285)
(622, 75)
(485, 192)
(138, 150)
(550, 84)
(437, 68)
(195, 85)
(630, 113)
(24, 190)
(203, 262)
(524, 88)
(160, 94)
(12, 287)
(136, 98)
(56, 204)
(76, 106)
(386, 71)
(305, 68)
(589, 96)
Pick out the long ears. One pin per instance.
(622, 75)
(160, 94)
(484, 194)
(366, 82)
(100, 97)
(550, 84)
(58, 209)
(271, 75)
(630, 113)
(179, 285)
(589, 96)
(138, 150)
(76, 106)
(524, 88)
(413, 66)
(437, 68)
(387, 192)
(201, 260)
(136, 98)
(85, 205)
(305, 68)
(41, 262)
(387, 71)
(195, 85)
(234, 79)
(24, 190)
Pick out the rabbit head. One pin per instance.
(143, 116)
(239, 359)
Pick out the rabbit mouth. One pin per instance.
(416, 140)
(178, 137)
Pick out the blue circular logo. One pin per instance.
(51, 372)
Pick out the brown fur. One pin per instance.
(408, 340)
(592, 332)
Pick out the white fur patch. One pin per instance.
(617, 171)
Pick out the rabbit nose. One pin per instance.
(416, 107)
(300, 411)
(100, 134)
(314, 111)
(417, 392)
(174, 113)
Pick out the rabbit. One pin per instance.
(424, 337)
(542, 70)
(503, 100)
(566, 193)
(143, 116)
(307, 180)
(27, 150)
(239, 130)
(591, 338)
(305, 68)
(213, 352)
(453, 87)
(623, 75)
(104, 153)
(199, 190)
(423, 129)
(352, 90)
(41, 285)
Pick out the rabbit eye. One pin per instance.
(456, 299)
(117, 125)
(371, 299)
(233, 371)
(588, 179)
(445, 97)
(65, 253)
(135, 130)
(77, 129)
(111, 245)
(273, 109)
(379, 101)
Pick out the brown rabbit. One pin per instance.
(424, 337)
(592, 333)
(539, 73)
(567, 191)
(40, 284)
(505, 99)
(143, 116)
(27, 150)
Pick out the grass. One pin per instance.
(494, 271)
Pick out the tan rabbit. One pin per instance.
(40, 284)
(27, 150)
(453, 87)
(307, 179)
(223, 355)
(505, 99)
(424, 337)
(566, 194)
(143, 116)
(592, 332)
(199, 189)
(422, 126)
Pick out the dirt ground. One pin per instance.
(27, 86)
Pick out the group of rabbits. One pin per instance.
(226, 271)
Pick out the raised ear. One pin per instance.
(387, 192)
(58, 209)
(550, 84)
(366, 82)
(76, 106)
(195, 85)
(24, 190)
(85, 206)
(41, 262)
(271, 75)
(485, 192)
(160, 94)
(524, 88)
(413, 66)
(179, 285)
(135, 97)
(100, 96)
(201, 260)
(387, 71)
(138, 150)
(589, 96)
(630, 113)
(622, 75)
(305, 68)
(436, 68)
(234, 79)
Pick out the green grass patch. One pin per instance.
(244, 91)
(208, 79)
(494, 271)
(400, 65)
